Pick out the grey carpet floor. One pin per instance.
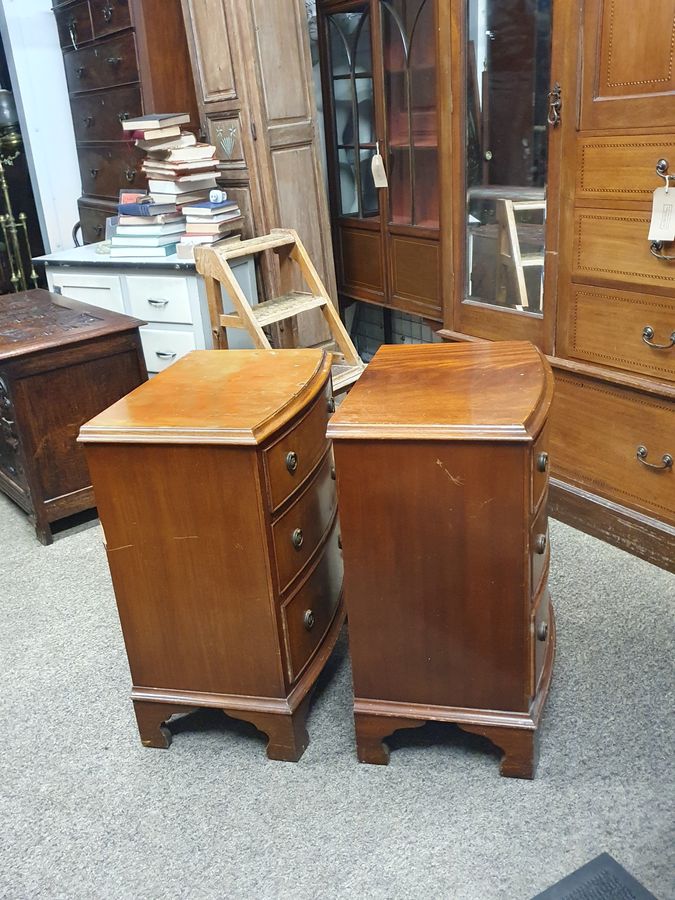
(86, 811)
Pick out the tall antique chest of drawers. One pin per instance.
(123, 58)
(442, 472)
(61, 362)
(215, 486)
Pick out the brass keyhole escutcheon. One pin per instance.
(292, 461)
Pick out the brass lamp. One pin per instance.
(14, 232)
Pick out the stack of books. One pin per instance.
(146, 226)
(208, 222)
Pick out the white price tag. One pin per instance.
(377, 168)
(662, 226)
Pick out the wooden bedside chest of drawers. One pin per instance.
(61, 362)
(442, 472)
(215, 486)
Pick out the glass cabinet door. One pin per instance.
(507, 54)
(350, 67)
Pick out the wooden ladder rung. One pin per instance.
(534, 260)
(285, 307)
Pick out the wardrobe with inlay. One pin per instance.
(522, 143)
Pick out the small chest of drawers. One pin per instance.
(442, 463)
(61, 362)
(216, 491)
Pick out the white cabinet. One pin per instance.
(168, 294)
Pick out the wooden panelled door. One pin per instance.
(386, 88)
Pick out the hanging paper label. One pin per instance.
(377, 167)
(662, 227)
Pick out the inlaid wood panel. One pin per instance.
(629, 73)
(606, 327)
(612, 247)
(596, 429)
(416, 276)
(225, 133)
(208, 30)
(362, 263)
(281, 55)
(622, 168)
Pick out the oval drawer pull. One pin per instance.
(648, 334)
(666, 459)
(542, 631)
(79, 71)
(540, 543)
(308, 620)
(331, 405)
(292, 461)
(542, 462)
(157, 301)
(297, 538)
(164, 354)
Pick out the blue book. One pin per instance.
(208, 207)
(145, 209)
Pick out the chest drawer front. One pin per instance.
(159, 299)
(292, 458)
(108, 16)
(540, 467)
(609, 425)
(308, 614)
(299, 531)
(620, 328)
(107, 64)
(613, 247)
(74, 24)
(92, 223)
(539, 547)
(539, 636)
(99, 117)
(105, 170)
(162, 347)
(621, 168)
(99, 290)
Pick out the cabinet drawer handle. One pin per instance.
(114, 60)
(308, 620)
(79, 71)
(94, 172)
(540, 544)
(107, 13)
(130, 174)
(6, 422)
(542, 462)
(88, 121)
(72, 31)
(648, 334)
(12, 442)
(122, 117)
(156, 301)
(666, 459)
(331, 405)
(164, 354)
(298, 538)
(292, 461)
(98, 230)
(655, 249)
(542, 631)
(333, 472)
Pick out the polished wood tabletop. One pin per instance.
(260, 390)
(487, 391)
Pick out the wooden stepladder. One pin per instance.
(512, 261)
(213, 265)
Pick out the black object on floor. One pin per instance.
(600, 879)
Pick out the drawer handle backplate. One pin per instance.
(156, 301)
(292, 461)
(107, 13)
(648, 334)
(130, 174)
(164, 354)
(308, 620)
(298, 538)
(666, 459)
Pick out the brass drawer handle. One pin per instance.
(655, 249)
(157, 301)
(94, 172)
(308, 620)
(542, 631)
(332, 472)
(79, 71)
(292, 461)
(107, 13)
(542, 462)
(540, 544)
(130, 174)
(98, 230)
(88, 121)
(298, 538)
(72, 31)
(666, 459)
(648, 334)
(114, 60)
(331, 405)
(122, 117)
(164, 354)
